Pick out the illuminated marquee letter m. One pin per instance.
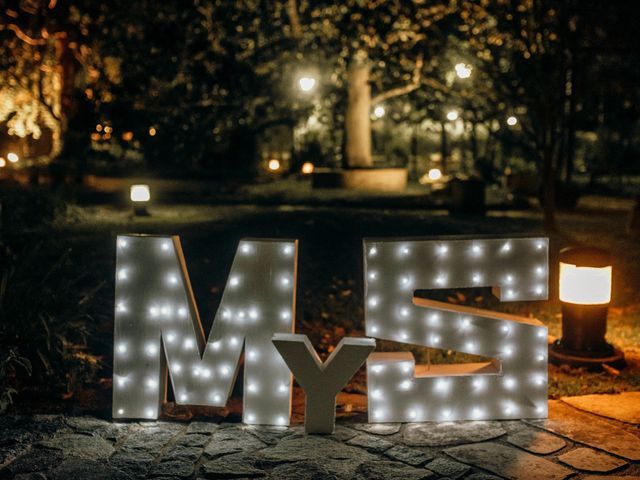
(157, 327)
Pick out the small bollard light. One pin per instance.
(585, 294)
(140, 196)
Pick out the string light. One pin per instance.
(518, 268)
(200, 377)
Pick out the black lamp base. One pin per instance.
(611, 356)
(141, 211)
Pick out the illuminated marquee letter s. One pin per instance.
(157, 326)
(512, 385)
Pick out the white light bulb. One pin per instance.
(234, 281)
(183, 397)
(465, 323)
(377, 368)
(373, 328)
(373, 275)
(188, 344)
(476, 250)
(122, 274)
(510, 383)
(539, 290)
(177, 367)
(282, 388)
(285, 315)
(476, 278)
(182, 312)
(153, 311)
(150, 413)
(165, 246)
(373, 301)
(121, 307)
(508, 351)
(287, 249)
(470, 346)
(216, 345)
(245, 248)
(373, 251)
(233, 341)
(122, 348)
(171, 337)
(225, 371)
(151, 349)
(251, 417)
(506, 247)
(435, 339)
(376, 394)
(540, 271)
(252, 387)
(440, 279)
(406, 385)
(285, 281)
(253, 313)
(539, 245)
(206, 373)
(442, 250)
(404, 311)
(505, 328)
(122, 243)
(508, 279)
(121, 411)
(172, 279)
(216, 397)
(252, 355)
(151, 383)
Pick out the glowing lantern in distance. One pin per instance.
(307, 168)
(435, 174)
(140, 195)
(273, 165)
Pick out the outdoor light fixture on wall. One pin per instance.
(585, 294)
(140, 196)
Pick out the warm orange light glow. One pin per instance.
(127, 136)
(435, 174)
(585, 285)
(108, 130)
(307, 168)
(95, 137)
(140, 193)
(3, 162)
(13, 157)
(152, 132)
(273, 165)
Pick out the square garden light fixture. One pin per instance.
(140, 196)
(585, 294)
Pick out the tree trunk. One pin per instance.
(443, 147)
(548, 196)
(357, 118)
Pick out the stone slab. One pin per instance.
(410, 456)
(589, 430)
(624, 407)
(536, 441)
(377, 428)
(450, 433)
(340, 459)
(383, 470)
(370, 442)
(508, 462)
(591, 460)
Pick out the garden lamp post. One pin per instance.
(140, 196)
(585, 294)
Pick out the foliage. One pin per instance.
(43, 316)
(10, 363)
(28, 208)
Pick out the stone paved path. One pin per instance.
(571, 443)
